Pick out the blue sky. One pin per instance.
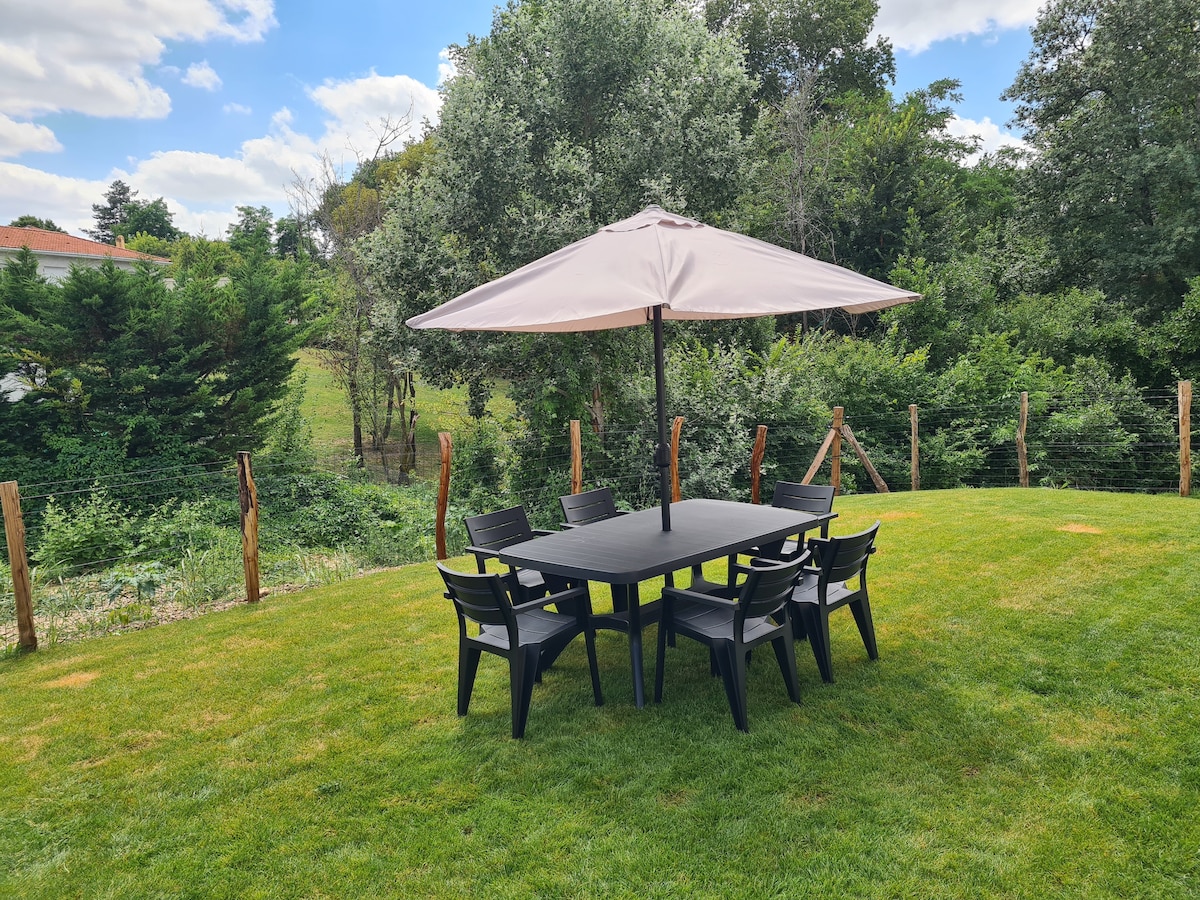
(215, 103)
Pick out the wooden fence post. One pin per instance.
(443, 500)
(756, 460)
(14, 532)
(1022, 452)
(835, 476)
(676, 427)
(248, 498)
(1185, 439)
(914, 450)
(576, 458)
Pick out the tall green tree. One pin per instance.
(110, 214)
(1110, 102)
(148, 217)
(792, 41)
(252, 232)
(119, 367)
(568, 115)
(28, 221)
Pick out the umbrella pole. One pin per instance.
(662, 453)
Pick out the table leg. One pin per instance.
(629, 593)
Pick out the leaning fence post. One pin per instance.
(576, 458)
(915, 448)
(756, 460)
(1022, 452)
(676, 427)
(1185, 439)
(14, 532)
(248, 498)
(835, 476)
(443, 500)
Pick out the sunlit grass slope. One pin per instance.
(1030, 730)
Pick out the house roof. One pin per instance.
(43, 241)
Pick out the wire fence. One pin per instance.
(121, 551)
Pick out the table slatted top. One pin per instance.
(632, 548)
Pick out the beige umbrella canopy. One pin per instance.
(655, 266)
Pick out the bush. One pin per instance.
(87, 536)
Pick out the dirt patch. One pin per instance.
(75, 679)
(899, 514)
(1078, 528)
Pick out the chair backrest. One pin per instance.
(842, 558)
(768, 587)
(479, 598)
(589, 506)
(812, 498)
(497, 530)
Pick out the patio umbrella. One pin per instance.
(655, 266)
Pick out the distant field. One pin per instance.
(328, 412)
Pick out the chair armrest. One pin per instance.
(569, 594)
(483, 551)
(696, 597)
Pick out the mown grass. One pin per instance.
(1030, 730)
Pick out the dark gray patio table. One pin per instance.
(625, 550)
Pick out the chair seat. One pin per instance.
(806, 592)
(531, 579)
(697, 620)
(535, 626)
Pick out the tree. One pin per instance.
(339, 214)
(28, 221)
(251, 233)
(824, 41)
(1110, 102)
(152, 218)
(121, 368)
(568, 115)
(110, 214)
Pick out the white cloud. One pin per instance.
(202, 75)
(203, 189)
(236, 109)
(357, 109)
(68, 201)
(915, 24)
(991, 136)
(446, 68)
(91, 56)
(25, 137)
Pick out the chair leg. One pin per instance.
(737, 665)
(522, 668)
(798, 631)
(468, 665)
(660, 662)
(589, 638)
(785, 652)
(816, 623)
(866, 628)
(714, 668)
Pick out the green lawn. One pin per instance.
(1030, 730)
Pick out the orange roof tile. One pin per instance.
(38, 239)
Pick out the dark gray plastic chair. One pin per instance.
(732, 628)
(595, 505)
(824, 587)
(812, 498)
(492, 532)
(529, 636)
